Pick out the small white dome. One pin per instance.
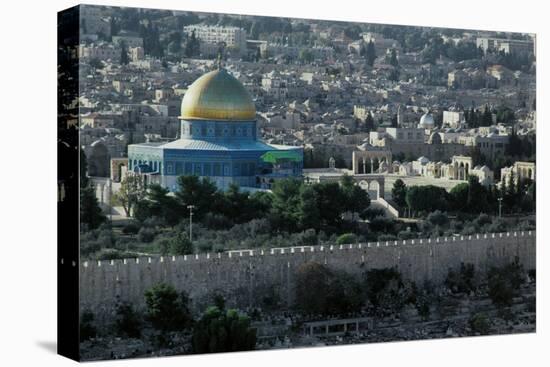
(426, 121)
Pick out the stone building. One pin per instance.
(521, 170)
(219, 140)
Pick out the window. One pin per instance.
(217, 170)
(169, 168)
(206, 169)
(198, 169)
(188, 168)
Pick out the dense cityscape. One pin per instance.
(208, 134)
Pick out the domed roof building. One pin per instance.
(426, 121)
(217, 95)
(219, 140)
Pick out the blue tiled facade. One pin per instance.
(224, 151)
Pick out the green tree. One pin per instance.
(426, 198)
(386, 291)
(399, 193)
(160, 204)
(286, 202)
(393, 59)
(479, 323)
(504, 283)
(322, 291)
(132, 191)
(356, 199)
(167, 310)
(200, 192)
(346, 238)
(487, 117)
(369, 122)
(124, 59)
(219, 330)
(306, 56)
(96, 63)
(308, 211)
(438, 218)
(128, 322)
(87, 328)
(192, 47)
(90, 212)
(370, 53)
(331, 203)
(462, 281)
(459, 196)
(477, 196)
(181, 244)
(240, 206)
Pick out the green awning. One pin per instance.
(277, 155)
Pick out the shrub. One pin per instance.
(181, 245)
(422, 305)
(372, 212)
(456, 225)
(130, 228)
(203, 246)
(346, 238)
(469, 230)
(498, 225)
(216, 221)
(163, 246)
(88, 248)
(532, 274)
(105, 238)
(387, 237)
(479, 323)
(381, 224)
(128, 321)
(386, 291)
(113, 254)
(167, 310)
(320, 290)
(308, 237)
(87, 328)
(504, 283)
(482, 220)
(223, 331)
(146, 235)
(405, 235)
(438, 218)
(463, 280)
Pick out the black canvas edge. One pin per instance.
(68, 210)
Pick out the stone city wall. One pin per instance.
(243, 276)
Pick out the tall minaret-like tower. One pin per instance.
(399, 116)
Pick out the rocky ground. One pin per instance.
(451, 317)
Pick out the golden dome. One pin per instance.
(217, 95)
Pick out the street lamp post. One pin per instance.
(190, 207)
(499, 207)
